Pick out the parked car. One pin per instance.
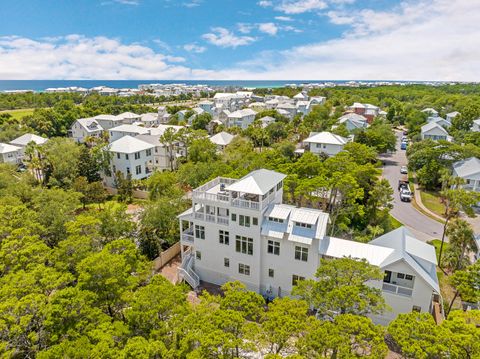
(404, 170)
(404, 145)
(403, 183)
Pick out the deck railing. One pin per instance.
(397, 289)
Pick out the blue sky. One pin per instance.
(256, 39)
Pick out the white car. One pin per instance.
(404, 170)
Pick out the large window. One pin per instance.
(244, 220)
(243, 269)
(244, 245)
(304, 225)
(224, 237)
(138, 169)
(301, 253)
(149, 152)
(273, 219)
(296, 278)
(200, 232)
(273, 247)
(137, 155)
(226, 262)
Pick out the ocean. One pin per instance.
(41, 85)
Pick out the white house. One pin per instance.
(25, 139)
(434, 131)
(301, 97)
(240, 230)
(207, 106)
(317, 100)
(476, 125)
(85, 127)
(130, 156)
(430, 111)
(149, 119)
(325, 142)
(126, 130)
(289, 108)
(108, 121)
(129, 118)
(451, 115)
(440, 120)
(353, 121)
(10, 153)
(161, 154)
(469, 170)
(303, 107)
(241, 118)
(222, 140)
(267, 120)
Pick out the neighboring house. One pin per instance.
(267, 120)
(126, 130)
(430, 111)
(450, 116)
(410, 282)
(317, 100)
(85, 127)
(10, 153)
(476, 125)
(25, 139)
(149, 119)
(434, 131)
(240, 230)
(207, 106)
(290, 108)
(303, 107)
(129, 118)
(469, 170)
(353, 121)
(325, 142)
(222, 140)
(301, 97)
(241, 118)
(161, 154)
(108, 121)
(365, 109)
(130, 156)
(441, 121)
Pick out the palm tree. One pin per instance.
(169, 138)
(461, 239)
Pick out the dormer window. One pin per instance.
(273, 219)
(303, 225)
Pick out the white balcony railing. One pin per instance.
(397, 289)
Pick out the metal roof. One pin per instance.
(129, 144)
(6, 148)
(466, 168)
(257, 182)
(327, 138)
(222, 138)
(27, 138)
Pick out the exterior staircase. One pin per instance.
(186, 272)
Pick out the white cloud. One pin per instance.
(245, 28)
(300, 6)
(265, 3)
(283, 18)
(340, 18)
(192, 3)
(195, 48)
(224, 38)
(421, 40)
(123, 2)
(79, 57)
(268, 28)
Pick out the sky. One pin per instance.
(240, 39)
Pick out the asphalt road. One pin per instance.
(423, 227)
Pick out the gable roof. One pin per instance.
(257, 182)
(7, 148)
(433, 125)
(242, 113)
(129, 115)
(90, 124)
(354, 119)
(222, 138)
(327, 138)
(27, 138)
(129, 144)
(466, 168)
(130, 128)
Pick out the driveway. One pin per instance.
(423, 227)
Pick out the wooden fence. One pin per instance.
(166, 256)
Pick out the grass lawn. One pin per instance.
(432, 201)
(395, 223)
(18, 114)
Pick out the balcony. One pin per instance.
(396, 289)
(187, 236)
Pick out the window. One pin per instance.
(243, 269)
(224, 237)
(128, 170)
(271, 273)
(234, 217)
(279, 185)
(199, 232)
(149, 152)
(198, 255)
(400, 275)
(296, 278)
(226, 262)
(301, 253)
(244, 245)
(126, 156)
(324, 146)
(255, 221)
(416, 308)
(273, 247)
(388, 276)
(118, 155)
(304, 225)
(408, 277)
(138, 169)
(137, 155)
(278, 220)
(244, 220)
